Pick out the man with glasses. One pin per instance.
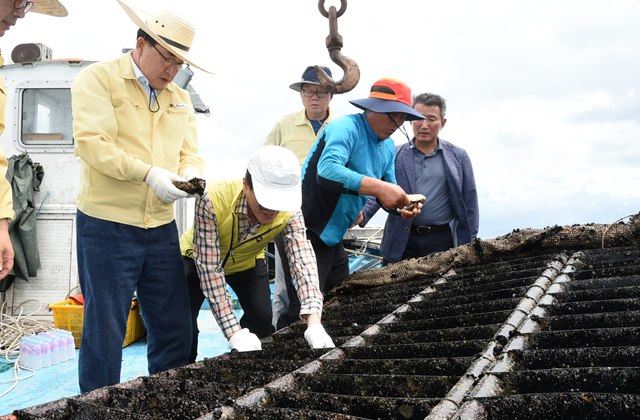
(353, 158)
(297, 132)
(135, 134)
(233, 222)
(10, 12)
(441, 171)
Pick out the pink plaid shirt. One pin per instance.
(208, 261)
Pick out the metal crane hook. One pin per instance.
(334, 44)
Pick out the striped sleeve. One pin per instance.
(208, 261)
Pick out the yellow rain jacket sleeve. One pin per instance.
(6, 201)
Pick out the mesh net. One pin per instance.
(519, 241)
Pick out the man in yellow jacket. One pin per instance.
(135, 133)
(10, 12)
(233, 223)
(297, 132)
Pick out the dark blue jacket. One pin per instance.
(462, 192)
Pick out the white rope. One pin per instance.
(353, 251)
(73, 289)
(370, 238)
(17, 369)
(12, 329)
(608, 227)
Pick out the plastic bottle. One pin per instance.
(26, 352)
(58, 346)
(46, 351)
(47, 348)
(60, 352)
(30, 352)
(71, 343)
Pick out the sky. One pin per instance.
(543, 95)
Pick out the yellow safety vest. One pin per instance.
(236, 256)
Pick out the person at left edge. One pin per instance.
(10, 12)
(135, 133)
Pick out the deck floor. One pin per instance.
(61, 380)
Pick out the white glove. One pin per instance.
(159, 179)
(190, 172)
(245, 340)
(317, 337)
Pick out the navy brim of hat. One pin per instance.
(384, 107)
(298, 85)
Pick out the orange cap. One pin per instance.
(389, 95)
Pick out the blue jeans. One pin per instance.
(114, 260)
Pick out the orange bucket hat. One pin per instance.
(389, 95)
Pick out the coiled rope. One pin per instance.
(12, 329)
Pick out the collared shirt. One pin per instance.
(431, 180)
(462, 193)
(118, 139)
(317, 125)
(209, 261)
(6, 199)
(144, 82)
(296, 133)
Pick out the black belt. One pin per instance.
(424, 229)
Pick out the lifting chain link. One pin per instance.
(334, 45)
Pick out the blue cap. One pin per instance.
(309, 76)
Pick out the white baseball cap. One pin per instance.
(275, 174)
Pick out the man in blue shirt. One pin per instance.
(352, 159)
(442, 172)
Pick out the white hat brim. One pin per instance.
(289, 199)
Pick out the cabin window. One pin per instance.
(46, 117)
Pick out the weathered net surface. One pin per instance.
(481, 251)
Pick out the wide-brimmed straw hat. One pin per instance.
(389, 95)
(172, 31)
(49, 7)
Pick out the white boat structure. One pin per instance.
(363, 247)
